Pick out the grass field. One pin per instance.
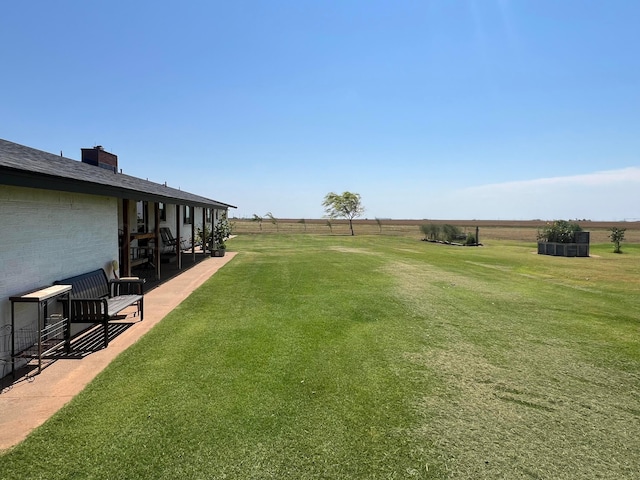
(374, 356)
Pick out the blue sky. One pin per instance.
(443, 109)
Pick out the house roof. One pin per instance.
(28, 167)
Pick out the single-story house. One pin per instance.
(61, 217)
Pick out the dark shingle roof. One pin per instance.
(28, 167)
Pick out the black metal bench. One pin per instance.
(96, 299)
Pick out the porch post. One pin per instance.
(193, 234)
(126, 241)
(204, 225)
(156, 239)
(178, 247)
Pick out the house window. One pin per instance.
(163, 211)
(187, 214)
(142, 217)
(208, 215)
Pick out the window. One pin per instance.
(187, 214)
(207, 215)
(142, 217)
(163, 211)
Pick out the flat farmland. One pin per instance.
(508, 230)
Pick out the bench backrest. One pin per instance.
(88, 285)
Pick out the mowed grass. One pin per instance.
(370, 357)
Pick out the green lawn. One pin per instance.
(370, 357)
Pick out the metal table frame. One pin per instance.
(41, 297)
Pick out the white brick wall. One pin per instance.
(47, 236)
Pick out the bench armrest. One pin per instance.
(126, 286)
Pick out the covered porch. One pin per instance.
(168, 270)
(157, 238)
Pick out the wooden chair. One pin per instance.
(169, 242)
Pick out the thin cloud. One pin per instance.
(630, 175)
(605, 195)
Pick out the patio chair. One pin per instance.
(169, 242)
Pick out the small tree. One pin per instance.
(348, 205)
(616, 236)
(304, 223)
(379, 222)
(272, 219)
(330, 225)
(257, 218)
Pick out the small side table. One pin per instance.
(50, 332)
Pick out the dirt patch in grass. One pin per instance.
(516, 400)
(352, 250)
(541, 415)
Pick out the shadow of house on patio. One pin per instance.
(85, 343)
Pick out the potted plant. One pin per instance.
(221, 231)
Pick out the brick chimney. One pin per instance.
(98, 157)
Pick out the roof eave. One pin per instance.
(21, 178)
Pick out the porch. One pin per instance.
(168, 269)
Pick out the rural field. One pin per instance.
(378, 356)
(521, 231)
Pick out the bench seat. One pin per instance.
(117, 304)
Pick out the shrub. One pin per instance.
(446, 232)
(451, 232)
(560, 231)
(203, 236)
(431, 231)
